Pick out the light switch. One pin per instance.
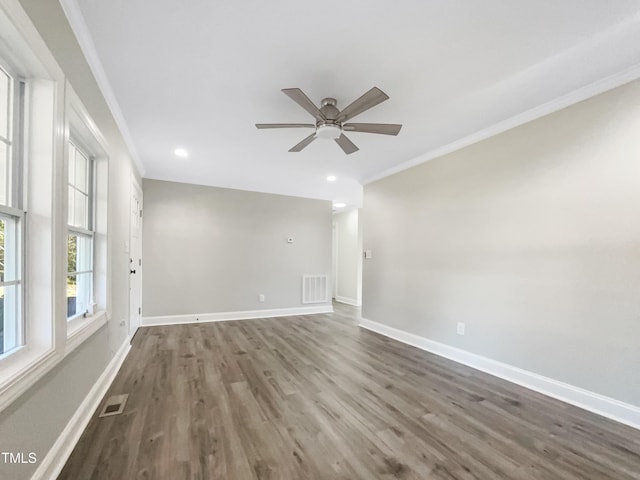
(368, 254)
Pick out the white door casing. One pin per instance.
(334, 259)
(135, 258)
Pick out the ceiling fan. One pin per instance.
(330, 122)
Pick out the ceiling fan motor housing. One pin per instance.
(328, 128)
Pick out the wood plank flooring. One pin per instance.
(316, 397)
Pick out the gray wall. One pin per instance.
(209, 250)
(34, 422)
(532, 238)
(36, 419)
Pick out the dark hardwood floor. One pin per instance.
(316, 397)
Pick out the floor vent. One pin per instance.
(315, 288)
(114, 405)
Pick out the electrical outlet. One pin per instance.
(122, 323)
(261, 297)
(460, 328)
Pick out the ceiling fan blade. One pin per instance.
(303, 143)
(383, 128)
(285, 125)
(370, 99)
(301, 99)
(346, 144)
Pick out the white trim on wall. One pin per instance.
(241, 315)
(334, 257)
(571, 98)
(59, 453)
(348, 301)
(78, 25)
(608, 407)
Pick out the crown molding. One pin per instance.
(564, 101)
(78, 25)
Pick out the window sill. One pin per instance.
(22, 369)
(80, 329)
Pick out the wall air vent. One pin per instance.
(315, 288)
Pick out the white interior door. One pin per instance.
(135, 258)
(334, 259)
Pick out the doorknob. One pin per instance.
(132, 271)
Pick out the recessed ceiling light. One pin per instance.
(339, 205)
(331, 178)
(181, 152)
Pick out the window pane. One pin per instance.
(5, 102)
(79, 285)
(72, 163)
(71, 295)
(4, 163)
(80, 207)
(10, 331)
(78, 293)
(2, 248)
(79, 253)
(71, 207)
(83, 289)
(81, 171)
(10, 319)
(8, 249)
(85, 254)
(72, 253)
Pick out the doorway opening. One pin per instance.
(347, 257)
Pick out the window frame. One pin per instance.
(18, 236)
(83, 232)
(39, 142)
(49, 106)
(11, 209)
(82, 133)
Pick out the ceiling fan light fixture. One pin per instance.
(329, 131)
(181, 152)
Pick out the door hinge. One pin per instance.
(140, 213)
(139, 310)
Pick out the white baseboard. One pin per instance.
(593, 402)
(224, 316)
(54, 461)
(347, 300)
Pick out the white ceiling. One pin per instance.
(200, 73)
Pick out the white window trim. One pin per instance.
(81, 130)
(29, 56)
(49, 339)
(18, 240)
(84, 232)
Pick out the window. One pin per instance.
(40, 115)
(11, 323)
(80, 236)
(87, 173)
(32, 213)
